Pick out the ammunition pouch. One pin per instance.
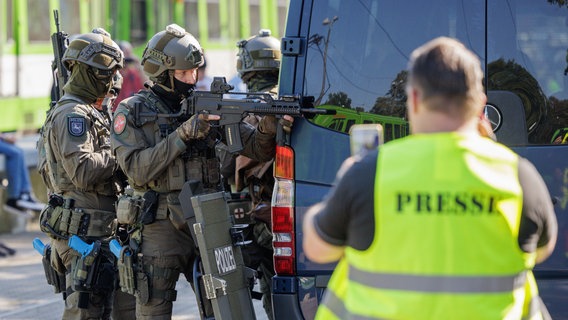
(128, 209)
(93, 274)
(62, 221)
(54, 278)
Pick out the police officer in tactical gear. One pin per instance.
(258, 64)
(79, 170)
(160, 153)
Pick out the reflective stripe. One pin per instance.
(337, 307)
(334, 304)
(534, 309)
(451, 284)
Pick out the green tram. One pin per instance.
(393, 127)
(26, 27)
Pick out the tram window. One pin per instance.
(213, 21)
(138, 27)
(38, 20)
(254, 16)
(191, 18)
(68, 13)
(350, 122)
(397, 131)
(388, 132)
(9, 32)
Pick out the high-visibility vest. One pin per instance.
(447, 215)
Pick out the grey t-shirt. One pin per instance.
(346, 215)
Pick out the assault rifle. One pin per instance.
(60, 42)
(232, 111)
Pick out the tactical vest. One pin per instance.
(445, 245)
(197, 163)
(52, 170)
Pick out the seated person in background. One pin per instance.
(19, 187)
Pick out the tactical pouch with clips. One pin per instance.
(54, 218)
(128, 209)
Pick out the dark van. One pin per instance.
(353, 55)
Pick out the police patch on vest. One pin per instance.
(119, 123)
(76, 126)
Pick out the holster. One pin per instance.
(54, 278)
(131, 276)
(126, 275)
(93, 275)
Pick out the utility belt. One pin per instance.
(60, 220)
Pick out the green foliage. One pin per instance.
(339, 99)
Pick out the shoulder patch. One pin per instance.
(76, 126)
(119, 123)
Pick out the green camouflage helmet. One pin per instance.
(171, 49)
(94, 49)
(258, 53)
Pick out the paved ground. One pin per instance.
(25, 294)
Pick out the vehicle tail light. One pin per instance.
(283, 212)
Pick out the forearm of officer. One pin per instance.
(257, 145)
(315, 247)
(142, 163)
(87, 168)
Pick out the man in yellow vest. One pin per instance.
(454, 222)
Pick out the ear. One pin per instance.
(412, 100)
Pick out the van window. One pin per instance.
(526, 55)
(364, 72)
(348, 70)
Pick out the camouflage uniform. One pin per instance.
(78, 167)
(158, 160)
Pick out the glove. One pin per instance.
(268, 124)
(196, 127)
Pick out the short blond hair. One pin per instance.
(448, 75)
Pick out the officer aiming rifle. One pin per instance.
(232, 111)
